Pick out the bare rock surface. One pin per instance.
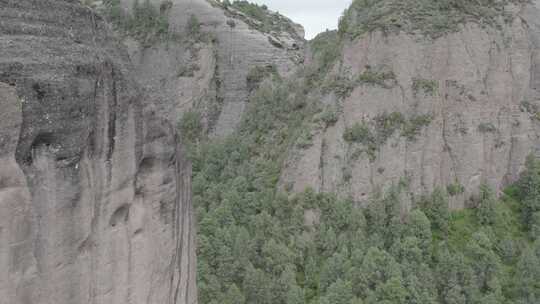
(95, 193)
(216, 84)
(482, 128)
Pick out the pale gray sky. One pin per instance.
(315, 15)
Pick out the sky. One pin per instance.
(315, 15)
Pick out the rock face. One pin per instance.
(95, 202)
(210, 75)
(479, 87)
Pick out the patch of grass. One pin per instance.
(257, 74)
(190, 126)
(359, 133)
(329, 116)
(305, 139)
(341, 85)
(531, 108)
(487, 127)
(387, 124)
(414, 125)
(455, 189)
(379, 78)
(426, 86)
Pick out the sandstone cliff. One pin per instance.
(207, 71)
(453, 111)
(95, 203)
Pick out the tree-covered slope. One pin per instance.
(259, 245)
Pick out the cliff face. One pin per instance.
(95, 202)
(455, 111)
(208, 71)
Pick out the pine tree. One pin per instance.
(528, 277)
(485, 209)
(340, 292)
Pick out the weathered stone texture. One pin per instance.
(484, 76)
(95, 200)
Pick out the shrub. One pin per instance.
(305, 139)
(413, 127)
(455, 189)
(193, 27)
(485, 207)
(531, 108)
(340, 85)
(190, 126)
(372, 77)
(146, 21)
(257, 74)
(376, 134)
(358, 133)
(487, 127)
(326, 49)
(387, 124)
(329, 116)
(428, 87)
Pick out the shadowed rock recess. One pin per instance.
(95, 201)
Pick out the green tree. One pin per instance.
(485, 208)
(257, 286)
(529, 186)
(390, 292)
(288, 289)
(528, 278)
(419, 226)
(535, 226)
(436, 209)
(377, 267)
(485, 263)
(334, 268)
(340, 292)
(233, 296)
(190, 126)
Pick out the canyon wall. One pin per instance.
(95, 190)
(477, 89)
(207, 71)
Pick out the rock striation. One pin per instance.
(478, 86)
(95, 190)
(208, 73)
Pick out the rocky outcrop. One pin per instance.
(209, 73)
(479, 88)
(95, 202)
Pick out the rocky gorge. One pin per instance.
(202, 151)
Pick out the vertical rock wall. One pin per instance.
(216, 85)
(483, 111)
(95, 203)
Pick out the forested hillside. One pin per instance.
(263, 241)
(259, 245)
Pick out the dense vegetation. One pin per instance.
(258, 245)
(145, 22)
